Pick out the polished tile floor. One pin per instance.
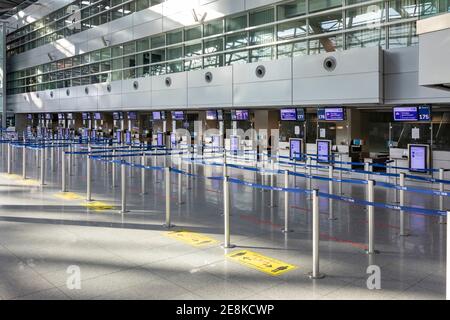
(44, 237)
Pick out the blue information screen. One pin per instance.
(424, 113)
(334, 114)
(234, 143)
(288, 114)
(323, 150)
(295, 149)
(159, 139)
(300, 114)
(405, 114)
(321, 114)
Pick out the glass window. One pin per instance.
(158, 55)
(193, 33)
(237, 40)
(211, 46)
(366, 16)
(158, 41)
(261, 36)
(291, 9)
(326, 23)
(291, 30)
(128, 8)
(106, 53)
(214, 61)
(261, 17)
(174, 37)
(143, 58)
(129, 48)
(174, 53)
(261, 54)
(236, 57)
(116, 75)
(116, 63)
(403, 9)
(403, 35)
(116, 13)
(117, 51)
(129, 61)
(290, 50)
(318, 5)
(236, 23)
(366, 38)
(193, 50)
(96, 55)
(325, 44)
(175, 67)
(142, 4)
(213, 27)
(142, 45)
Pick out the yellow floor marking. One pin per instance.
(262, 263)
(192, 238)
(98, 206)
(69, 196)
(19, 178)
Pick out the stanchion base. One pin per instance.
(168, 226)
(143, 193)
(404, 235)
(318, 276)
(230, 246)
(122, 212)
(332, 218)
(374, 252)
(284, 230)
(272, 205)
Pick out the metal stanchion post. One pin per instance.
(88, 178)
(286, 203)
(226, 214)
(52, 157)
(441, 198)
(42, 166)
(402, 203)
(113, 169)
(271, 184)
(9, 158)
(330, 191)
(308, 160)
(371, 217)
(168, 224)
(63, 170)
(340, 174)
(180, 177)
(448, 259)
(70, 160)
(315, 274)
(366, 169)
(123, 186)
(24, 162)
(143, 174)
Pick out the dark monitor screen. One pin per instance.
(177, 115)
(117, 115)
(29, 116)
(301, 114)
(211, 115)
(86, 116)
(321, 114)
(69, 116)
(239, 115)
(97, 116)
(288, 114)
(61, 116)
(48, 116)
(424, 113)
(220, 115)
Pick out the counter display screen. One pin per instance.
(173, 139)
(239, 115)
(177, 115)
(118, 137)
(335, 114)
(48, 116)
(132, 116)
(69, 116)
(211, 115)
(301, 114)
(323, 150)
(220, 115)
(424, 113)
(86, 116)
(295, 149)
(97, 116)
(418, 158)
(128, 137)
(216, 141)
(117, 115)
(321, 114)
(61, 116)
(234, 143)
(156, 115)
(288, 114)
(29, 116)
(160, 139)
(405, 114)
